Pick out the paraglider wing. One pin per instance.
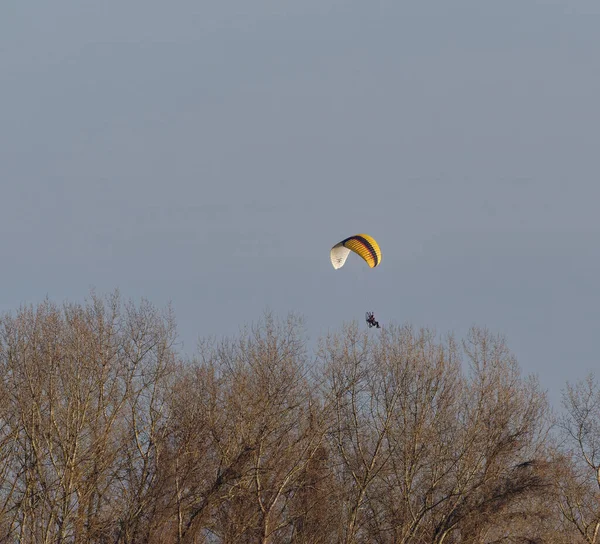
(361, 244)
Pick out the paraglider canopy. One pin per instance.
(362, 244)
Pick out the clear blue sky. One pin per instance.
(210, 153)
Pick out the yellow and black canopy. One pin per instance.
(361, 244)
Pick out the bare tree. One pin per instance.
(427, 451)
(72, 376)
(149, 356)
(580, 485)
(270, 404)
(504, 425)
(241, 442)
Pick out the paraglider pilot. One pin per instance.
(371, 320)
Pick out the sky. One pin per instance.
(209, 154)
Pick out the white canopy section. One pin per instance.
(338, 255)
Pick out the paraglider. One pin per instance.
(362, 244)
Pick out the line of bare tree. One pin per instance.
(109, 435)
